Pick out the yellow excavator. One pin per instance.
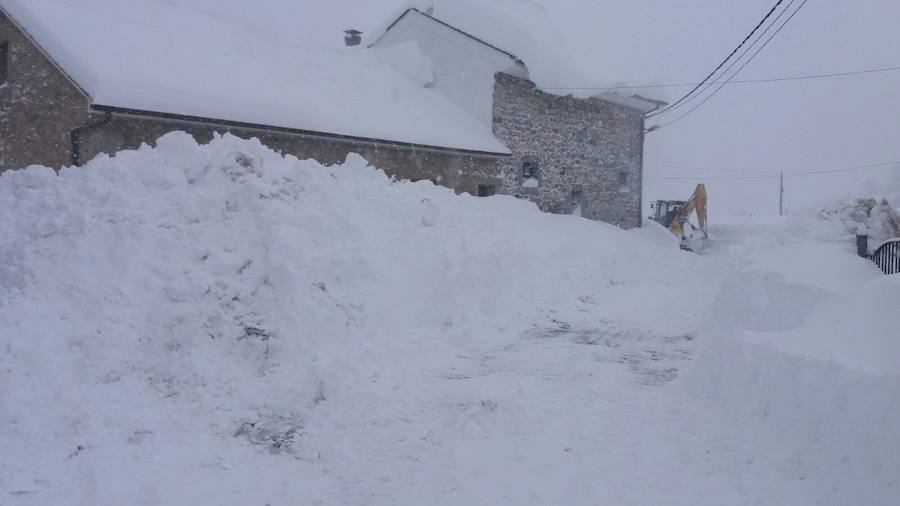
(675, 215)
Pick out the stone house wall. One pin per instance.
(584, 149)
(39, 105)
(460, 171)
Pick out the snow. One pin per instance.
(531, 183)
(223, 61)
(464, 68)
(522, 27)
(857, 330)
(218, 324)
(408, 59)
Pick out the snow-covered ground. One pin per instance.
(221, 325)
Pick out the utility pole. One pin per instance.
(781, 195)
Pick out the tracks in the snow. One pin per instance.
(653, 358)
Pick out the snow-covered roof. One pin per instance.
(188, 58)
(381, 30)
(507, 29)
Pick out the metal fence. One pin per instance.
(887, 256)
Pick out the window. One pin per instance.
(623, 182)
(486, 190)
(531, 174)
(576, 201)
(4, 62)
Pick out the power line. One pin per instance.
(780, 28)
(707, 78)
(679, 178)
(739, 81)
(774, 174)
(737, 60)
(870, 166)
(707, 169)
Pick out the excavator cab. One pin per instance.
(665, 210)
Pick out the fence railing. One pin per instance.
(887, 256)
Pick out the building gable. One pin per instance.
(39, 104)
(463, 65)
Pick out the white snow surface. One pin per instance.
(223, 61)
(218, 324)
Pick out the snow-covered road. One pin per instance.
(221, 325)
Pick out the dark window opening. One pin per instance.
(486, 190)
(576, 202)
(623, 179)
(531, 174)
(4, 62)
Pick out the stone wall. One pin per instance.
(462, 172)
(39, 106)
(587, 152)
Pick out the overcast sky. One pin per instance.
(791, 126)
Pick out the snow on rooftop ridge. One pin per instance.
(521, 27)
(188, 58)
(522, 32)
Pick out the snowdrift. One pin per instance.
(220, 324)
(834, 430)
(805, 359)
(172, 316)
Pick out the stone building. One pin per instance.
(434, 103)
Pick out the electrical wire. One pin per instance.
(711, 74)
(774, 174)
(707, 169)
(736, 61)
(739, 81)
(691, 110)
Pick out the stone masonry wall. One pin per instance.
(464, 173)
(584, 149)
(39, 106)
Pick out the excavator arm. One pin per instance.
(697, 203)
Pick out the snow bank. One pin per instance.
(835, 430)
(860, 330)
(219, 324)
(877, 217)
(173, 317)
(805, 358)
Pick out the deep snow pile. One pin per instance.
(807, 345)
(878, 218)
(170, 310)
(219, 324)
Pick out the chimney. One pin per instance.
(352, 37)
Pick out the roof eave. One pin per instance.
(409, 146)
